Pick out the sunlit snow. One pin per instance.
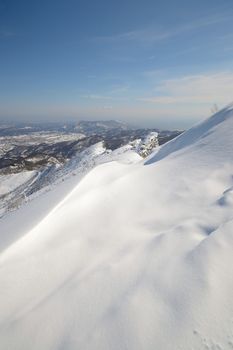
(137, 256)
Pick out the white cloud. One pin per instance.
(195, 89)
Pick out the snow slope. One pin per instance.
(11, 182)
(18, 189)
(138, 256)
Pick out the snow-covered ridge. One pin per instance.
(137, 256)
(39, 173)
(196, 134)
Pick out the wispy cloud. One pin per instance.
(119, 89)
(141, 35)
(115, 92)
(150, 35)
(96, 97)
(194, 89)
(112, 96)
(7, 34)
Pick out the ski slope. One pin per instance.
(137, 256)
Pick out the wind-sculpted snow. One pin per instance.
(136, 257)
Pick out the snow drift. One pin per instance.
(136, 257)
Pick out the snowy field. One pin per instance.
(136, 255)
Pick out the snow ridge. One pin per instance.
(193, 135)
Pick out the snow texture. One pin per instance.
(137, 256)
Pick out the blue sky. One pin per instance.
(152, 63)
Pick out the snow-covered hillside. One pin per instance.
(50, 169)
(138, 256)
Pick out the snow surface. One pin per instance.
(9, 183)
(137, 256)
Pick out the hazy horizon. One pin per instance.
(141, 123)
